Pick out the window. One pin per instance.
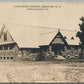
(5, 47)
(11, 57)
(1, 48)
(4, 57)
(5, 36)
(11, 47)
(7, 57)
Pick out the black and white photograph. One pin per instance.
(42, 42)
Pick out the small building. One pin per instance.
(14, 43)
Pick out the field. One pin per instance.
(42, 71)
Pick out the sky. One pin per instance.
(64, 15)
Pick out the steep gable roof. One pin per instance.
(9, 39)
(47, 38)
(58, 35)
(22, 36)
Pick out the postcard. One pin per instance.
(41, 42)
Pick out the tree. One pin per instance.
(80, 34)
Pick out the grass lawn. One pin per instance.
(42, 71)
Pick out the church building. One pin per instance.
(13, 43)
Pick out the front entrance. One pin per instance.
(57, 49)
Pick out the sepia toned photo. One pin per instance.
(42, 42)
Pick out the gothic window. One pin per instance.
(5, 36)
